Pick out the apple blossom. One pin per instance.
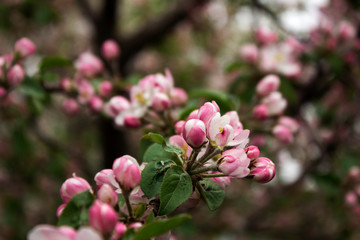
(88, 65)
(25, 47)
(268, 84)
(252, 152)
(106, 194)
(110, 49)
(73, 186)
(262, 170)
(102, 217)
(194, 133)
(15, 75)
(105, 88)
(235, 163)
(127, 172)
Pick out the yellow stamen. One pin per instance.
(221, 130)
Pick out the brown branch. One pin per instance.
(155, 30)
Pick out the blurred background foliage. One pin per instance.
(40, 146)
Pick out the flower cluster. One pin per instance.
(151, 102)
(215, 146)
(352, 196)
(107, 216)
(272, 56)
(12, 71)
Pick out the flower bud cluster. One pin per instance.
(12, 71)
(214, 147)
(272, 103)
(151, 102)
(124, 178)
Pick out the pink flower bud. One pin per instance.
(347, 30)
(207, 111)
(110, 49)
(252, 152)
(106, 176)
(24, 47)
(178, 97)
(107, 195)
(70, 106)
(194, 133)
(223, 182)
(96, 104)
(261, 112)
(290, 123)
(66, 84)
(116, 105)
(60, 210)
(135, 225)
(120, 229)
(16, 75)
(131, 121)
(127, 172)
(193, 115)
(2, 92)
(263, 170)
(235, 163)
(283, 134)
(268, 84)
(265, 36)
(102, 217)
(68, 231)
(275, 103)
(351, 199)
(179, 141)
(160, 102)
(105, 88)
(249, 52)
(73, 186)
(179, 126)
(88, 65)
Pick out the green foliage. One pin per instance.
(155, 137)
(152, 176)
(76, 211)
(176, 189)
(212, 193)
(224, 101)
(54, 62)
(156, 153)
(32, 88)
(157, 228)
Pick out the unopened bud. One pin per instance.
(16, 75)
(252, 152)
(160, 102)
(70, 106)
(105, 88)
(268, 84)
(263, 170)
(107, 195)
(194, 133)
(110, 49)
(127, 172)
(261, 112)
(102, 217)
(96, 104)
(25, 47)
(73, 186)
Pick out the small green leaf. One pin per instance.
(212, 193)
(129, 234)
(121, 200)
(175, 189)
(54, 62)
(156, 153)
(140, 210)
(177, 153)
(160, 227)
(152, 177)
(155, 137)
(150, 218)
(76, 211)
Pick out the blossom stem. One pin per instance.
(204, 169)
(126, 195)
(192, 158)
(214, 175)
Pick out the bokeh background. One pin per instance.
(199, 40)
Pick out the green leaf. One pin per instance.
(76, 211)
(160, 227)
(154, 137)
(222, 99)
(156, 152)
(150, 218)
(175, 189)
(176, 152)
(140, 210)
(212, 193)
(121, 200)
(32, 88)
(233, 66)
(144, 145)
(54, 62)
(152, 177)
(288, 91)
(129, 234)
